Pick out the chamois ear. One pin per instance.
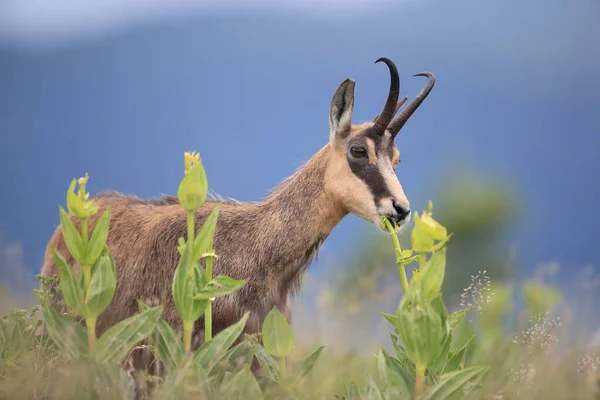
(340, 112)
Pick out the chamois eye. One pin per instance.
(358, 151)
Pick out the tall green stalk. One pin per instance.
(398, 252)
(87, 276)
(190, 234)
(281, 368)
(208, 312)
(419, 380)
(188, 325)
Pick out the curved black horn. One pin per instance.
(401, 119)
(400, 104)
(384, 118)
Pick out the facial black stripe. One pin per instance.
(372, 177)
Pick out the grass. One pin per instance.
(475, 351)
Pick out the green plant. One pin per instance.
(194, 288)
(49, 353)
(422, 323)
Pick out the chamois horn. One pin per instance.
(401, 119)
(384, 118)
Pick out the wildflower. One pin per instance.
(426, 231)
(588, 364)
(542, 334)
(194, 186)
(78, 203)
(83, 196)
(478, 292)
(190, 159)
(523, 375)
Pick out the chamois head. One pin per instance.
(361, 174)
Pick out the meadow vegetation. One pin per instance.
(475, 351)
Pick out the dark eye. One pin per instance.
(358, 151)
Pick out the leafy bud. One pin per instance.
(78, 203)
(194, 185)
(426, 231)
(420, 328)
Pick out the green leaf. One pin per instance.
(72, 238)
(208, 353)
(183, 288)
(200, 277)
(227, 284)
(401, 356)
(169, 347)
(440, 308)
(74, 203)
(449, 383)
(68, 335)
(234, 359)
(72, 292)
(433, 276)
(371, 390)
(455, 361)
(390, 318)
(270, 368)
(396, 379)
(439, 364)
(116, 343)
(433, 228)
(204, 239)
(421, 240)
(182, 246)
(456, 318)
(267, 363)
(309, 362)
(277, 334)
(242, 385)
(420, 328)
(193, 188)
(99, 236)
(102, 286)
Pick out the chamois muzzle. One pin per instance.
(401, 212)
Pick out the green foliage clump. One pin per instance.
(48, 353)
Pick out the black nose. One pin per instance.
(402, 212)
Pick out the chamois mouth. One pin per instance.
(387, 221)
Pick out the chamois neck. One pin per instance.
(292, 224)
(302, 200)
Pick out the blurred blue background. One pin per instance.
(121, 90)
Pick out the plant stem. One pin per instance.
(87, 269)
(187, 335)
(190, 226)
(208, 313)
(398, 251)
(91, 328)
(422, 260)
(87, 277)
(84, 231)
(419, 380)
(281, 368)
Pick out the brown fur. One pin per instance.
(268, 243)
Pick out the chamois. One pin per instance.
(269, 243)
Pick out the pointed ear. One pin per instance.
(340, 112)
